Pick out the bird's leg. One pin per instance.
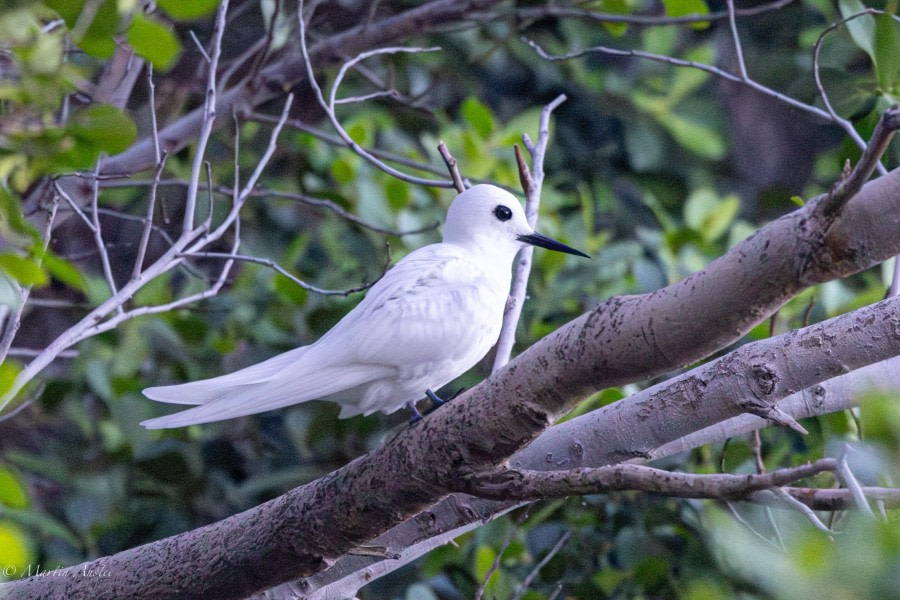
(416, 415)
(435, 399)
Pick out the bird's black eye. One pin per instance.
(503, 212)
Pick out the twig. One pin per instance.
(452, 166)
(851, 483)
(737, 517)
(532, 183)
(846, 125)
(738, 49)
(678, 62)
(846, 188)
(495, 564)
(281, 270)
(792, 502)
(154, 185)
(643, 20)
(756, 446)
(337, 141)
(209, 117)
(526, 583)
(14, 317)
(329, 106)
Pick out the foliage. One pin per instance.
(651, 170)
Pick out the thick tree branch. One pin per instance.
(305, 530)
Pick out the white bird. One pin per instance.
(431, 317)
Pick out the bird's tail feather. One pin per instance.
(207, 390)
(283, 389)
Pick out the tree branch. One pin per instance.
(305, 530)
(512, 484)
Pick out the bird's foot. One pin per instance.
(416, 415)
(437, 401)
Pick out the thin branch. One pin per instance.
(495, 564)
(795, 504)
(532, 183)
(509, 484)
(329, 106)
(851, 483)
(209, 117)
(678, 62)
(526, 583)
(262, 192)
(846, 188)
(282, 271)
(846, 125)
(337, 141)
(154, 186)
(452, 166)
(738, 49)
(14, 317)
(643, 20)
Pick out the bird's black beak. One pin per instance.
(539, 239)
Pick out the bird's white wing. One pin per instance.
(432, 306)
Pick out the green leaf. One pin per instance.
(104, 128)
(478, 116)
(15, 553)
(64, 271)
(154, 41)
(887, 52)
(699, 139)
(8, 373)
(96, 37)
(682, 8)
(12, 491)
(13, 226)
(707, 214)
(187, 11)
(23, 270)
(290, 291)
(861, 29)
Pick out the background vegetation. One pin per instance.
(653, 169)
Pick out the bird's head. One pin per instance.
(491, 219)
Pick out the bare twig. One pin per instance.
(678, 62)
(554, 10)
(329, 105)
(532, 182)
(526, 583)
(14, 316)
(154, 186)
(738, 49)
(851, 483)
(337, 141)
(495, 564)
(282, 271)
(847, 187)
(452, 166)
(209, 117)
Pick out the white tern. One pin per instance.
(431, 317)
